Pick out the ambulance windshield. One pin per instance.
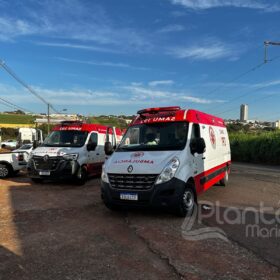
(66, 138)
(154, 137)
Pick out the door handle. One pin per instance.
(97, 154)
(204, 158)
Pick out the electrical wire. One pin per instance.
(248, 92)
(14, 105)
(31, 90)
(252, 69)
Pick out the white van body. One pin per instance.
(29, 135)
(157, 173)
(73, 149)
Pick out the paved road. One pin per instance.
(61, 231)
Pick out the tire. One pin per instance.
(37, 180)
(186, 203)
(5, 171)
(81, 176)
(224, 181)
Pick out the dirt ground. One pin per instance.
(62, 231)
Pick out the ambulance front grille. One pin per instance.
(45, 164)
(132, 182)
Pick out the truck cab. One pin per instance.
(167, 157)
(71, 150)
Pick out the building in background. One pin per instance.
(276, 124)
(244, 112)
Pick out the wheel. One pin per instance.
(5, 171)
(186, 203)
(224, 181)
(81, 176)
(37, 180)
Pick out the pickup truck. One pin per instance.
(11, 163)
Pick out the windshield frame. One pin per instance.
(45, 144)
(145, 147)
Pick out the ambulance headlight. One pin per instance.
(104, 176)
(70, 156)
(168, 171)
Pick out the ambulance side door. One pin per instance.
(197, 159)
(94, 154)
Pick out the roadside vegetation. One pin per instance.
(256, 147)
(16, 119)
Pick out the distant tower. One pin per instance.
(244, 112)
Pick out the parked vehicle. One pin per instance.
(26, 149)
(25, 136)
(9, 143)
(29, 135)
(11, 163)
(72, 150)
(167, 157)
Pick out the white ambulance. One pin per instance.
(72, 150)
(167, 157)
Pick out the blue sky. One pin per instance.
(115, 57)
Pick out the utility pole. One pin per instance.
(266, 44)
(48, 118)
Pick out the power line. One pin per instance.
(31, 90)
(13, 105)
(6, 104)
(248, 92)
(252, 69)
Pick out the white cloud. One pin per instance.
(164, 97)
(171, 28)
(102, 63)
(268, 84)
(77, 46)
(120, 95)
(11, 28)
(160, 83)
(208, 4)
(208, 50)
(74, 20)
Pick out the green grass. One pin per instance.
(16, 119)
(108, 121)
(261, 147)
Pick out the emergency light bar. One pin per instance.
(66, 123)
(159, 109)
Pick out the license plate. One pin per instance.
(129, 196)
(45, 173)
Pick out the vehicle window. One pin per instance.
(156, 136)
(195, 131)
(93, 138)
(66, 138)
(25, 147)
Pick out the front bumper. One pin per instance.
(162, 195)
(64, 169)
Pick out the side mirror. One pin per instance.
(35, 144)
(197, 145)
(108, 148)
(91, 146)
